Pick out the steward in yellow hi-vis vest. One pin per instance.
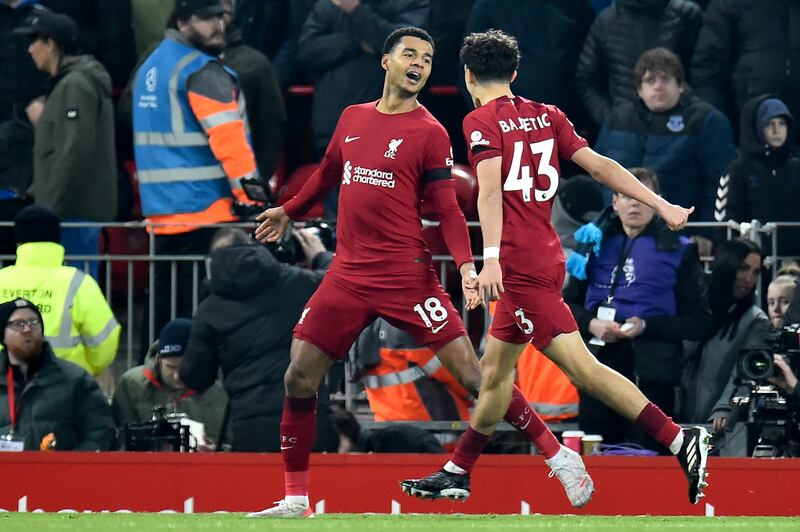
(79, 324)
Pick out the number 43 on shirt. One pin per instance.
(519, 177)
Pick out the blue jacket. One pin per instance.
(177, 171)
(689, 147)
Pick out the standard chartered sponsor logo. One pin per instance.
(368, 176)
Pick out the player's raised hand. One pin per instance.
(273, 224)
(674, 215)
(469, 285)
(490, 280)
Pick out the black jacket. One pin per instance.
(620, 34)
(59, 398)
(264, 102)
(550, 36)
(330, 51)
(658, 351)
(747, 48)
(105, 30)
(245, 328)
(21, 82)
(762, 183)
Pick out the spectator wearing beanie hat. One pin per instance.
(79, 324)
(156, 383)
(62, 407)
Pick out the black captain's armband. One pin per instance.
(435, 174)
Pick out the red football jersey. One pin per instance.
(384, 162)
(530, 137)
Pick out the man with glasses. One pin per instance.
(45, 403)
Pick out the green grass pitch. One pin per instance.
(12, 522)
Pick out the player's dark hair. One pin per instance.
(228, 236)
(409, 31)
(659, 60)
(491, 56)
(729, 257)
(647, 177)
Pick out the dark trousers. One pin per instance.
(594, 417)
(191, 243)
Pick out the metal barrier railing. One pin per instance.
(121, 278)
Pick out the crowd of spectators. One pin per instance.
(195, 95)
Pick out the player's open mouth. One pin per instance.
(413, 76)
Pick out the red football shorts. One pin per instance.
(533, 311)
(343, 306)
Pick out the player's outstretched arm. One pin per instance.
(614, 176)
(273, 224)
(490, 213)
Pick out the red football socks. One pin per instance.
(469, 448)
(522, 417)
(298, 431)
(657, 425)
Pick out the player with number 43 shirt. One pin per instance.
(528, 137)
(515, 145)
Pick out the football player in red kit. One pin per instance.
(515, 145)
(388, 156)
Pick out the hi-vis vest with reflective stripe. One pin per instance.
(549, 391)
(176, 169)
(78, 322)
(395, 391)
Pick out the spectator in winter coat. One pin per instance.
(738, 323)
(58, 405)
(687, 142)
(74, 159)
(619, 35)
(746, 48)
(245, 328)
(763, 183)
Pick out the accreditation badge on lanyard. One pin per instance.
(606, 310)
(8, 442)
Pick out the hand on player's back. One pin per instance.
(273, 224)
(674, 215)
(490, 281)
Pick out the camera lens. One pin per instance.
(757, 365)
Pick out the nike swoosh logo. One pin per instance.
(350, 139)
(286, 448)
(525, 426)
(435, 330)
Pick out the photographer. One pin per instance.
(708, 380)
(245, 328)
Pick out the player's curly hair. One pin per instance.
(409, 31)
(491, 56)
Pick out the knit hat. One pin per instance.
(8, 308)
(36, 224)
(174, 337)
